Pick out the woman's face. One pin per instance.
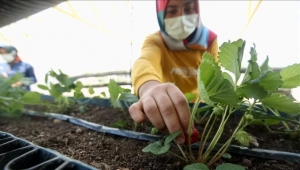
(177, 8)
(2, 51)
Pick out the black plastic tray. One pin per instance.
(17, 153)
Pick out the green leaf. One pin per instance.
(154, 130)
(282, 103)
(31, 97)
(91, 90)
(70, 81)
(43, 87)
(119, 124)
(255, 72)
(229, 78)
(265, 66)
(157, 148)
(229, 166)
(253, 53)
(190, 96)
(251, 90)
(55, 93)
(15, 78)
(226, 156)
(242, 137)
(128, 97)
(230, 57)
(6, 98)
(103, 94)
(78, 86)
(125, 90)
(290, 76)
(15, 108)
(212, 86)
(171, 137)
(270, 118)
(46, 78)
(196, 166)
(270, 81)
(78, 95)
(62, 78)
(114, 89)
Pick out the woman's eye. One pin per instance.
(189, 10)
(172, 12)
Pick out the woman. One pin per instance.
(13, 64)
(167, 67)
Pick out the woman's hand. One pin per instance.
(165, 106)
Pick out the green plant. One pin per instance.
(63, 84)
(13, 99)
(118, 98)
(163, 146)
(254, 97)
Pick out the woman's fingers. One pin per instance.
(181, 107)
(136, 112)
(152, 111)
(167, 109)
(169, 115)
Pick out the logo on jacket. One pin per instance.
(186, 72)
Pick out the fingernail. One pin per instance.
(180, 140)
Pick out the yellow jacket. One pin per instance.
(159, 63)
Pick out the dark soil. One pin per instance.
(273, 141)
(111, 152)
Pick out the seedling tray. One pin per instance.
(17, 153)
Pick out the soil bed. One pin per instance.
(107, 116)
(111, 152)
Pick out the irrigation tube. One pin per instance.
(254, 152)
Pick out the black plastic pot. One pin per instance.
(255, 152)
(17, 153)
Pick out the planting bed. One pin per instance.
(105, 151)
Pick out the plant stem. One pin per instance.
(192, 122)
(223, 149)
(277, 114)
(174, 154)
(181, 152)
(287, 132)
(202, 143)
(216, 137)
(202, 117)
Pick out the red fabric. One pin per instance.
(17, 59)
(212, 36)
(161, 5)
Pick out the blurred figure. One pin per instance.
(13, 64)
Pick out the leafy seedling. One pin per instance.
(256, 98)
(13, 99)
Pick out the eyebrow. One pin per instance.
(186, 3)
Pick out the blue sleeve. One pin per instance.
(30, 74)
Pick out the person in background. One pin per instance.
(167, 67)
(13, 64)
